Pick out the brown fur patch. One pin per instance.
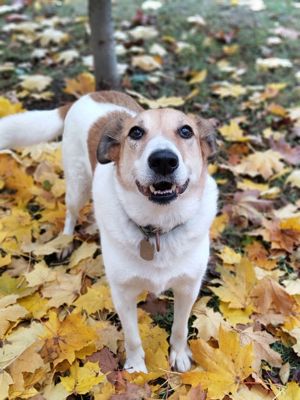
(63, 111)
(120, 99)
(206, 128)
(111, 125)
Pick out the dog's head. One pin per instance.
(161, 154)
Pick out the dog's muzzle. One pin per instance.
(163, 189)
(162, 192)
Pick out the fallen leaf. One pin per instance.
(145, 62)
(294, 178)
(268, 296)
(35, 83)
(196, 20)
(143, 32)
(8, 108)
(236, 288)
(261, 341)
(198, 77)
(272, 63)
(207, 322)
(225, 367)
(67, 57)
(10, 312)
(232, 132)
(50, 35)
(5, 379)
(97, 298)
(82, 379)
(84, 83)
(229, 256)
(229, 90)
(63, 290)
(19, 340)
(264, 163)
(62, 339)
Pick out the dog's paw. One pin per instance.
(181, 359)
(65, 252)
(135, 360)
(135, 366)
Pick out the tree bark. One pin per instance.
(102, 43)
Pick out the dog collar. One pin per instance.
(147, 249)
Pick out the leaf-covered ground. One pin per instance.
(59, 335)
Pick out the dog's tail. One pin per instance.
(31, 127)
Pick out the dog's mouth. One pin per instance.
(162, 192)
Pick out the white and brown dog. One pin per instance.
(153, 198)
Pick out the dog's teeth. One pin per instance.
(152, 189)
(173, 188)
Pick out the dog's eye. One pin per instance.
(136, 133)
(185, 132)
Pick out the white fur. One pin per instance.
(28, 128)
(182, 260)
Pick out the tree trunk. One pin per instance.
(102, 43)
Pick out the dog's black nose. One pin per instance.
(163, 162)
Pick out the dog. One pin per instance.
(153, 199)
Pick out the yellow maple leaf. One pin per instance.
(104, 391)
(82, 379)
(218, 225)
(236, 289)
(225, 367)
(198, 77)
(96, 298)
(7, 107)
(83, 83)
(10, 312)
(64, 338)
(36, 306)
(86, 250)
(233, 132)
(163, 102)
(292, 223)
(20, 225)
(16, 178)
(229, 256)
(229, 90)
(290, 392)
(236, 315)
(264, 163)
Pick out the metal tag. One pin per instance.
(146, 250)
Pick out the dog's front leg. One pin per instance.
(184, 298)
(124, 300)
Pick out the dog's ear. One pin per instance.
(207, 136)
(108, 149)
